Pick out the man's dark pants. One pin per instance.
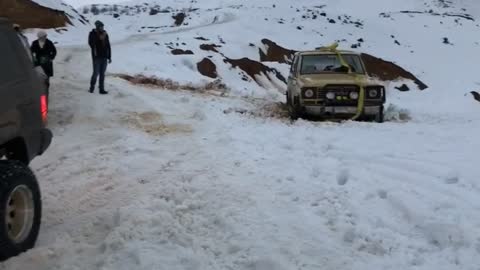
(99, 68)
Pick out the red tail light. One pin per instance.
(44, 108)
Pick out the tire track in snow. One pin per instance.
(99, 201)
(224, 19)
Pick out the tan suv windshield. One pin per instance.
(330, 63)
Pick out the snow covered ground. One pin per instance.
(147, 178)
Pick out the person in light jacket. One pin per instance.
(101, 55)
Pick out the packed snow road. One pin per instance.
(154, 179)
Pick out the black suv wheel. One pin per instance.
(379, 118)
(20, 208)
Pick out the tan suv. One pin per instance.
(333, 84)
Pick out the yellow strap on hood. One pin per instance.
(358, 80)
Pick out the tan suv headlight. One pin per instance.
(308, 92)
(330, 95)
(375, 92)
(353, 95)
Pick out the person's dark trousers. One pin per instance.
(99, 68)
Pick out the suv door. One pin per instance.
(292, 78)
(19, 86)
(10, 79)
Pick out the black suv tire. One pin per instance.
(379, 118)
(294, 110)
(20, 208)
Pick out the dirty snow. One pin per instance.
(146, 178)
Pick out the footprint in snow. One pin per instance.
(342, 177)
(315, 172)
(349, 236)
(184, 100)
(291, 178)
(382, 194)
(199, 115)
(452, 178)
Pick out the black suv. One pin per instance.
(23, 136)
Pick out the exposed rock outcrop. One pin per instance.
(210, 47)
(181, 52)
(179, 18)
(207, 68)
(32, 15)
(275, 53)
(254, 69)
(476, 95)
(388, 71)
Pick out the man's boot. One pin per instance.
(103, 92)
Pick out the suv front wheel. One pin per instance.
(20, 208)
(379, 118)
(294, 109)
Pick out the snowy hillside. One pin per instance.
(420, 36)
(73, 15)
(178, 170)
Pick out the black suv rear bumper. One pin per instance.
(45, 140)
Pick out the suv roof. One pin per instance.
(327, 52)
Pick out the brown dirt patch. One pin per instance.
(275, 52)
(179, 18)
(254, 68)
(207, 68)
(31, 15)
(181, 52)
(151, 123)
(210, 47)
(388, 71)
(168, 84)
(476, 95)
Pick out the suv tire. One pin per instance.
(294, 110)
(379, 118)
(20, 208)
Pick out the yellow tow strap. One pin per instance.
(358, 80)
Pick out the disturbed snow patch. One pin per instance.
(151, 123)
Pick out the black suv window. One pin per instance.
(11, 67)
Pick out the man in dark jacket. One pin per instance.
(101, 55)
(44, 52)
